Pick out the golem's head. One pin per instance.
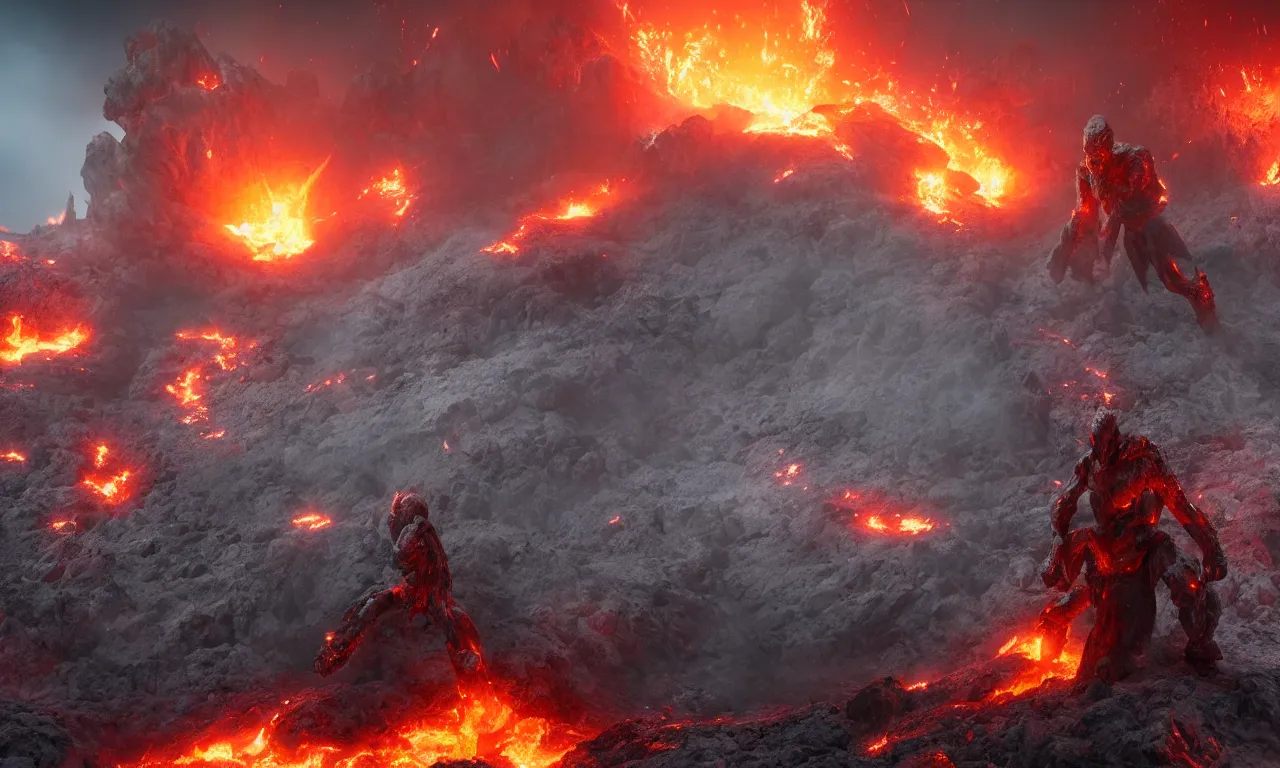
(1104, 435)
(1099, 140)
(404, 508)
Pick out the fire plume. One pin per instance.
(567, 209)
(276, 225)
(19, 343)
(778, 65)
(1031, 647)
(112, 488)
(484, 726)
(312, 521)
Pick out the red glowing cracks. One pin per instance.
(568, 209)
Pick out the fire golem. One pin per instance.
(1125, 555)
(427, 588)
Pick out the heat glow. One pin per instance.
(876, 516)
(20, 343)
(778, 65)
(568, 209)
(1031, 647)
(481, 726)
(189, 388)
(1249, 108)
(276, 225)
(112, 487)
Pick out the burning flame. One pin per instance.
(564, 210)
(483, 726)
(312, 521)
(13, 456)
(780, 71)
(18, 344)
(392, 188)
(277, 226)
(1031, 647)
(878, 745)
(112, 488)
(63, 526)
(209, 81)
(10, 251)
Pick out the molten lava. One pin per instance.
(1031, 647)
(312, 521)
(483, 726)
(19, 343)
(111, 487)
(391, 188)
(13, 456)
(876, 516)
(564, 210)
(777, 64)
(276, 225)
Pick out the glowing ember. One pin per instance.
(784, 175)
(480, 727)
(63, 526)
(882, 521)
(277, 226)
(616, 519)
(188, 388)
(112, 488)
(19, 344)
(565, 210)
(13, 456)
(312, 521)
(877, 746)
(1031, 647)
(209, 82)
(918, 686)
(392, 188)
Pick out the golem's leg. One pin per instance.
(1166, 246)
(1055, 621)
(339, 645)
(1198, 610)
(461, 638)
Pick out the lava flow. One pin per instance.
(20, 343)
(481, 726)
(565, 210)
(111, 488)
(188, 388)
(780, 72)
(276, 225)
(1031, 647)
(391, 188)
(875, 516)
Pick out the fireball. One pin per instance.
(277, 226)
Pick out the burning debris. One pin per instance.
(312, 521)
(874, 514)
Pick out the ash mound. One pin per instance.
(653, 443)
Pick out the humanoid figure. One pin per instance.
(427, 588)
(1117, 186)
(1124, 555)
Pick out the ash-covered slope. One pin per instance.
(649, 368)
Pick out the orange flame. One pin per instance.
(1031, 647)
(13, 456)
(63, 526)
(878, 745)
(564, 210)
(392, 187)
(277, 226)
(112, 488)
(209, 82)
(483, 726)
(887, 523)
(10, 251)
(188, 389)
(312, 521)
(18, 345)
